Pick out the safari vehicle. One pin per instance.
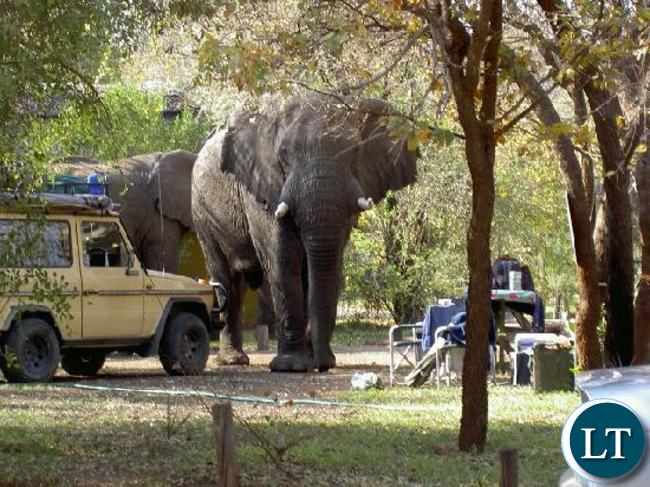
(114, 304)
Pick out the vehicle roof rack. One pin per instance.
(79, 202)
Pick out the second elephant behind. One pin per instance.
(153, 193)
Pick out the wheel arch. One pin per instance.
(173, 307)
(32, 311)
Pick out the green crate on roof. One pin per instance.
(66, 184)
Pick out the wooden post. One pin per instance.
(262, 337)
(224, 436)
(509, 474)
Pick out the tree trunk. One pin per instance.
(579, 208)
(470, 58)
(618, 219)
(642, 305)
(606, 113)
(601, 245)
(480, 151)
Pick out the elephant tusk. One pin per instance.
(365, 203)
(281, 210)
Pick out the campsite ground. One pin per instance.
(59, 433)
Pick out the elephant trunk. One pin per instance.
(324, 261)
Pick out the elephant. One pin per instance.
(275, 194)
(153, 194)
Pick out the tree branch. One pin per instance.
(491, 62)
(400, 55)
(478, 45)
(517, 118)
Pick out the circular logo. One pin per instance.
(603, 440)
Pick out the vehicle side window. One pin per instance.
(103, 245)
(35, 243)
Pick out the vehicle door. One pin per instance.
(113, 294)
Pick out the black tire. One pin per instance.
(83, 362)
(30, 352)
(185, 345)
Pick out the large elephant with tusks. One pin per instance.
(275, 194)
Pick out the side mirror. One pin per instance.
(130, 270)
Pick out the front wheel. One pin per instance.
(29, 352)
(83, 362)
(185, 345)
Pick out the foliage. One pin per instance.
(529, 209)
(22, 251)
(49, 50)
(410, 250)
(128, 122)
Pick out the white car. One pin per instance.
(631, 386)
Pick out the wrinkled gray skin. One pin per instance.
(319, 159)
(153, 192)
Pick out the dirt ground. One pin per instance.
(256, 379)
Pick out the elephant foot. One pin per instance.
(232, 357)
(287, 362)
(326, 361)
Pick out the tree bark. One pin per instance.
(557, 305)
(642, 305)
(607, 114)
(601, 245)
(482, 61)
(606, 111)
(480, 156)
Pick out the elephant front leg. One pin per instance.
(293, 354)
(231, 350)
(285, 278)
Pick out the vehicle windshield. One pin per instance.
(103, 245)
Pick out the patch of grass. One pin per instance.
(347, 333)
(357, 333)
(519, 419)
(71, 436)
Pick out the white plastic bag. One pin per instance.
(366, 380)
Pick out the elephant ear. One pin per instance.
(383, 163)
(249, 154)
(171, 183)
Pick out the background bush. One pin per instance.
(125, 122)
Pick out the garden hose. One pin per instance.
(247, 399)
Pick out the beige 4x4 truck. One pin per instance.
(114, 303)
